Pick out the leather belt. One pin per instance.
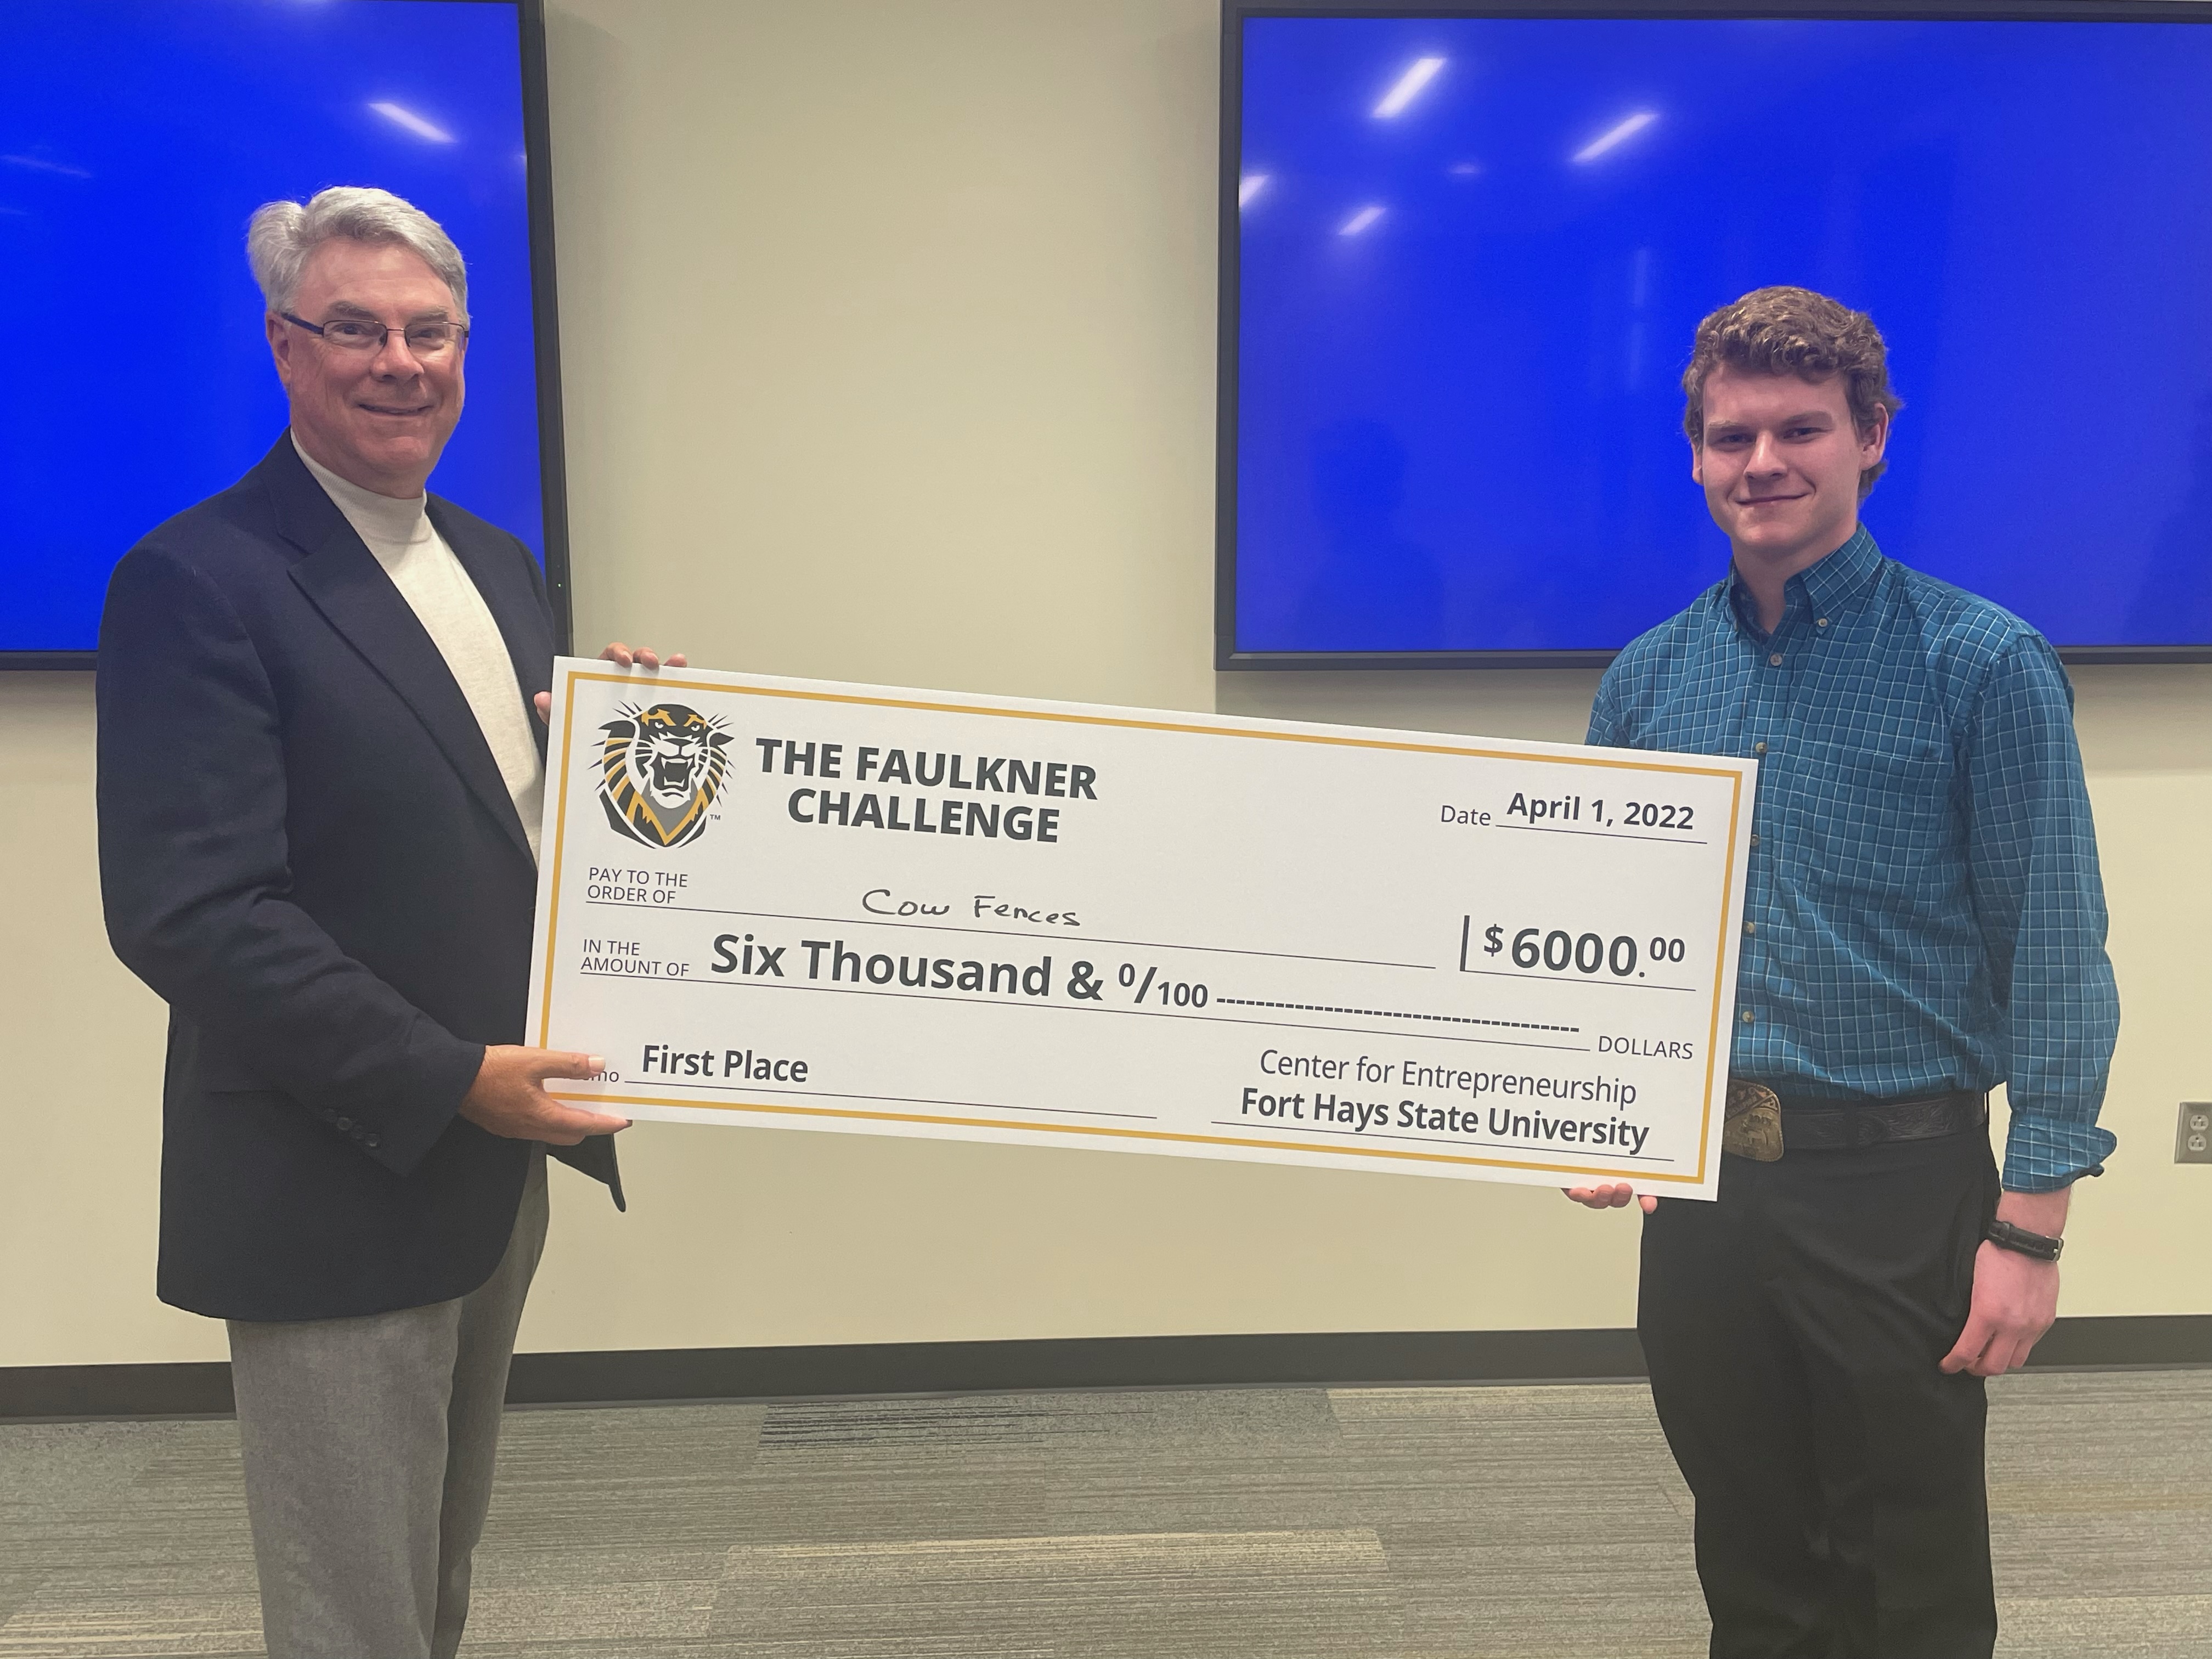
(1760, 1123)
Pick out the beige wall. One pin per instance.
(889, 344)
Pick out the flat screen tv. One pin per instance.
(136, 138)
(1464, 251)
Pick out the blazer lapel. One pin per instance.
(346, 584)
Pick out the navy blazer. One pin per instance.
(307, 850)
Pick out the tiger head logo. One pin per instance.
(659, 771)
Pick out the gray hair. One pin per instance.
(282, 234)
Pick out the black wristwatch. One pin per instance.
(2041, 1246)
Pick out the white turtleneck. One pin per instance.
(437, 588)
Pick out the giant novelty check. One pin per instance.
(796, 904)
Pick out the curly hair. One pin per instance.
(1794, 331)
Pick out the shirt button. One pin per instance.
(1746, 1016)
(1819, 622)
(1755, 840)
(1751, 928)
(1775, 661)
(1759, 749)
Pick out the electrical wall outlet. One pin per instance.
(2192, 1140)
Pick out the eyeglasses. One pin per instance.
(431, 337)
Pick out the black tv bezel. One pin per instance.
(546, 321)
(1226, 657)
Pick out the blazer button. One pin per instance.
(344, 1122)
(372, 1141)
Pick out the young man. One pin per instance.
(1923, 920)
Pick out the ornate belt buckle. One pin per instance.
(1752, 1127)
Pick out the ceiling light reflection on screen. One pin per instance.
(1617, 134)
(400, 115)
(40, 164)
(1359, 221)
(1248, 186)
(1464, 169)
(1407, 87)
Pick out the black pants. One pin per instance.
(1793, 1329)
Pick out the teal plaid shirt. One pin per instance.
(1923, 909)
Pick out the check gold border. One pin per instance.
(665, 682)
(1312, 1149)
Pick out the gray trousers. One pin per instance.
(369, 1446)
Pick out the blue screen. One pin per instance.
(1464, 303)
(136, 138)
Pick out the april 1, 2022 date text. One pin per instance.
(1535, 810)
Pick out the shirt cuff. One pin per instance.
(2043, 1154)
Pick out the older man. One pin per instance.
(319, 783)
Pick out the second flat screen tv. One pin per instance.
(1466, 255)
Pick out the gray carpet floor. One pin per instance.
(1279, 1524)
